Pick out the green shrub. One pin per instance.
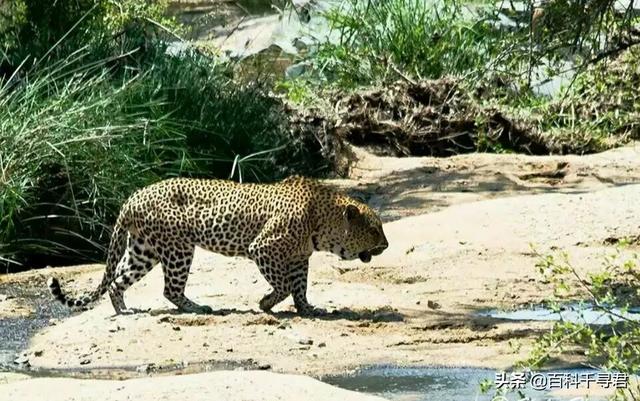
(378, 39)
(77, 138)
(33, 29)
(612, 291)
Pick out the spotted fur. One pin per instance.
(278, 226)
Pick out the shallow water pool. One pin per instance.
(434, 384)
(575, 313)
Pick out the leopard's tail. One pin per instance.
(117, 247)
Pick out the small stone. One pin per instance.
(146, 368)
(85, 361)
(322, 345)
(295, 70)
(38, 353)
(433, 305)
(205, 345)
(22, 360)
(176, 328)
(3, 297)
(264, 366)
(229, 349)
(142, 369)
(305, 341)
(417, 302)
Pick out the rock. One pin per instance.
(301, 46)
(302, 340)
(433, 305)
(322, 345)
(264, 366)
(295, 70)
(284, 325)
(146, 368)
(85, 361)
(38, 353)
(305, 341)
(176, 328)
(22, 360)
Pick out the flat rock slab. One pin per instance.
(220, 386)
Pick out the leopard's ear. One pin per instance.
(351, 213)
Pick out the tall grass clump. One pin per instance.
(72, 145)
(77, 138)
(384, 38)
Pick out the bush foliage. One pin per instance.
(82, 127)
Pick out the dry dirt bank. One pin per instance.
(459, 230)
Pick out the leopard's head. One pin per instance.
(362, 235)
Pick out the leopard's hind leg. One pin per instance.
(176, 263)
(137, 261)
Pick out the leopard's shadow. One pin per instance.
(384, 314)
(215, 312)
(375, 315)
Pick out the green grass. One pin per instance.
(76, 138)
(421, 39)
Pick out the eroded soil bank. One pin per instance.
(460, 231)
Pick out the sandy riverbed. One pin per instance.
(460, 231)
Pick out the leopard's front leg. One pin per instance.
(271, 271)
(283, 260)
(298, 276)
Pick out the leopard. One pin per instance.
(277, 225)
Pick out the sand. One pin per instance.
(460, 231)
(219, 386)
